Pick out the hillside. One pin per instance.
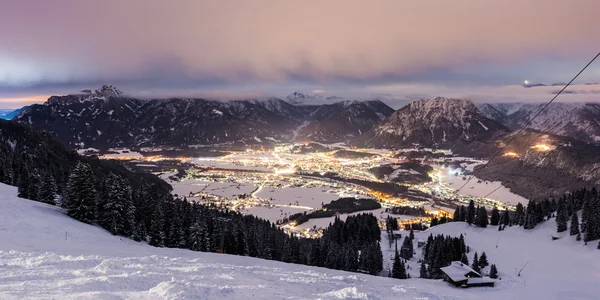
(44, 254)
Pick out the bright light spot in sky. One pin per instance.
(526, 81)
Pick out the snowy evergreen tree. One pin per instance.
(590, 223)
(470, 217)
(157, 233)
(493, 271)
(398, 268)
(483, 260)
(482, 217)
(81, 194)
(561, 217)
(495, 219)
(48, 190)
(423, 271)
(475, 264)
(519, 215)
(464, 259)
(115, 206)
(406, 251)
(574, 224)
(23, 185)
(505, 217)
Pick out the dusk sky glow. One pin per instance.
(396, 50)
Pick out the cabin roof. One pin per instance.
(457, 271)
(475, 280)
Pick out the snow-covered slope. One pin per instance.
(38, 262)
(47, 255)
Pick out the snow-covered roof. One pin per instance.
(457, 271)
(474, 280)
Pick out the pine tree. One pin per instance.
(505, 217)
(398, 268)
(475, 265)
(591, 217)
(464, 259)
(483, 260)
(456, 217)
(482, 217)
(578, 237)
(196, 237)
(493, 271)
(574, 224)
(495, 219)
(423, 271)
(81, 194)
(48, 190)
(112, 210)
(561, 217)
(470, 217)
(411, 235)
(157, 233)
(406, 251)
(33, 190)
(23, 185)
(519, 215)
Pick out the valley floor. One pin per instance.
(46, 255)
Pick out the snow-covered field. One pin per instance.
(46, 255)
(311, 197)
(380, 214)
(223, 189)
(121, 153)
(481, 189)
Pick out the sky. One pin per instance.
(389, 49)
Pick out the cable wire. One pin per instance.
(527, 124)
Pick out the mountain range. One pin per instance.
(438, 122)
(567, 119)
(106, 117)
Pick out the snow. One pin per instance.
(484, 127)
(218, 112)
(223, 189)
(257, 139)
(481, 189)
(37, 262)
(122, 153)
(87, 150)
(12, 144)
(310, 197)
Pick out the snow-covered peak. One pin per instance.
(298, 98)
(107, 91)
(439, 121)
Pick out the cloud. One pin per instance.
(217, 44)
(319, 91)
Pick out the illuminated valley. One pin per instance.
(291, 179)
